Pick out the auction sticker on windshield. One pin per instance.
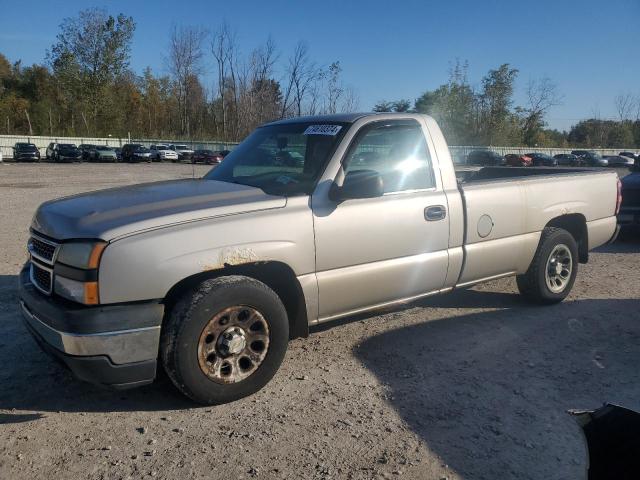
(322, 130)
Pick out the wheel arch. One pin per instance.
(276, 275)
(576, 225)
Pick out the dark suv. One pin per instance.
(130, 152)
(86, 148)
(26, 152)
(66, 152)
(630, 208)
(485, 158)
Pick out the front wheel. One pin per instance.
(553, 269)
(225, 339)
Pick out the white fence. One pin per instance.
(8, 141)
(458, 153)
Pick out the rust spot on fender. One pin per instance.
(231, 256)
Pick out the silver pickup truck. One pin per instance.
(306, 221)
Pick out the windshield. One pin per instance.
(25, 146)
(67, 145)
(181, 147)
(104, 148)
(285, 159)
(142, 150)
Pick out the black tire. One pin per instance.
(185, 325)
(533, 284)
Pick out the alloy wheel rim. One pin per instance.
(233, 344)
(558, 269)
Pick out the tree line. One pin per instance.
(487, 115)
(86, 87)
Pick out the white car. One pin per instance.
(163, 152)
(183, 151)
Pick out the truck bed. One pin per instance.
(506, 208)
(469, 174)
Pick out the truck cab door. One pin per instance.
(373, 251)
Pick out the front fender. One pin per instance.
(145, 266)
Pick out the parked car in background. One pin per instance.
(542, 160)
(224, 153)
(102, 153)
(518, 160)
(135, 152)
(619, 161)
(162, 152)
(630, 207)
(484, 158)
(49, 151)
(183, 151)
(142, 154)
(26, 152)
(86, 148)
(590, 158)
(631, 155)
(567, 160)
(66, 152)
(206, 156)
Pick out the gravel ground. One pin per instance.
(471, 385)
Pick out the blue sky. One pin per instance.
(392, 49)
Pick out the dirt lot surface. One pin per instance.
(471, 385)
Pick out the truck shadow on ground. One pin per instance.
(628, 241)
(488, 392)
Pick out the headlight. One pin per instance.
(82, 292)
(83, 287)
(85, 255)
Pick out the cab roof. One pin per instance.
(335, 118)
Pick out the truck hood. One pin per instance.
(112, 213)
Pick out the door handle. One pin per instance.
(435, 213)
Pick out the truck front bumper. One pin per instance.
(113, 345)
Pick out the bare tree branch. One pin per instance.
(625, 104)
(185, 63)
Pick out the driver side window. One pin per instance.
(397, 151)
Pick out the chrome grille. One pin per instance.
(41, 278)
(43, 255)
(42, 249)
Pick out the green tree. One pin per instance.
(383, 106)
(453, 105)
(91, 51)
(402, 105)
(541, 96)
(498, 125)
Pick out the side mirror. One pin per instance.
(358, 184)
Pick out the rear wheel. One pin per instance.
(553, 269)
(225, 339)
